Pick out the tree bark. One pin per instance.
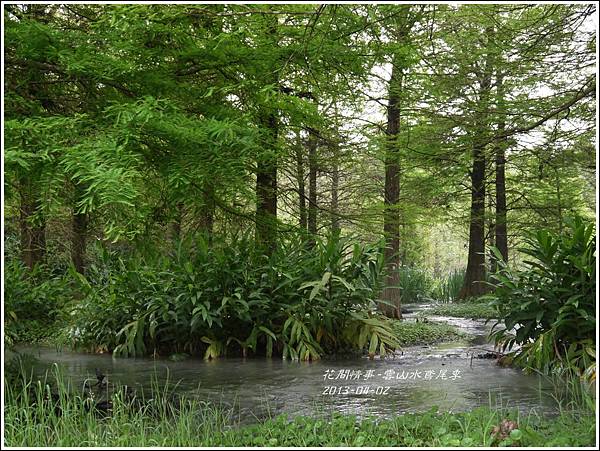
(301, 184)
(79, 234)
(266, 167)
(335, 182)
(501, 231)
(266, 188)
(391, 216)
(312, 182)
(207, 214)
(32, 225)
(474, 283)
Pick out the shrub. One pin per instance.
(415, 285)
(300, 302)
(34, 300)
(548, 306)
(447, 289)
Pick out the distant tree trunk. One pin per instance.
(79, 234)
(312, 182)
(301, 185)
(207, 214)
(175, 224)
(391, 216)
(474, 283)
(501, 232)
(266, 167)
(32, 224)
(476, 272)
(335, 182)
(266, 188)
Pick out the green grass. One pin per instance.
(411, 333)
(31, 420)
(473, 310)
(198, 424)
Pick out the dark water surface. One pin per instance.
(420, 378)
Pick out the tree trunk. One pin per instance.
(474, 283)
(335, 182)
(391, 216)
(501, 232)
(301, 185)
(266, 188)
(79, 234)
(32, 225)
(312, 182)
(266, 167)
(207, 215)
(175, 224)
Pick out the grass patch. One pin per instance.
(472, 310)
(411, 333)
(198, 424)
(35, 415)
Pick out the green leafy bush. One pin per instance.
(447, 289)
(300, 302)
(415, 285)
(548, 307)
(34, 301)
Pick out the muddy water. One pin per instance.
(415, 380)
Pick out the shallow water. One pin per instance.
(415, 380)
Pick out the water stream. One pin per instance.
(415, 380)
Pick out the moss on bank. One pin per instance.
(410, 333)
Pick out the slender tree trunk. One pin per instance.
(79, 234)
(501, 225)
(207, 215)
(335, 182)
(266, 168)
(474, 283)
(266, 189)
(312, 182)
(301, 185)
(32, 225)
(391, 215)
(476, 273)
(175, 224)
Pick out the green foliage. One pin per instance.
(299, 303)
(415, 285)
(548, 306)
(34, 302)
(447, 289)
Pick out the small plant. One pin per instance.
(447, 289)
(415, 285)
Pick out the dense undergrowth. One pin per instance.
(301, 302)
(547, 309)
